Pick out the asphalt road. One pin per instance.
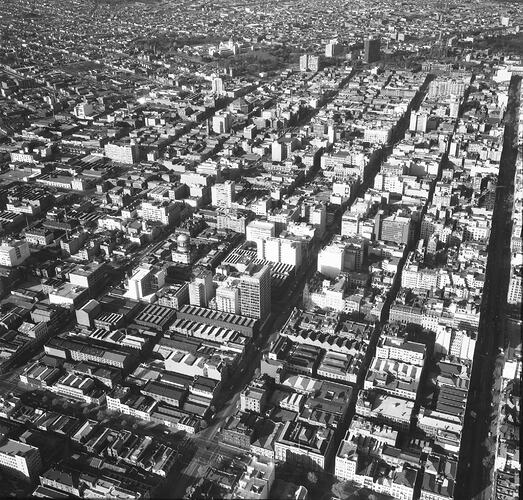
(475, 477)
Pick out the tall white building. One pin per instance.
(317, 216)
(333, 49)
(278, 152)
(304, 62)
(164, 212)
(260, 230)
(222, 195)
(144, 282)
(201, 289)
(342, 255)
(122, 152)
(217, 86)
(228, 297)
(13, 253)
(284, 250)
(20, 458)
(350, 223)
(221, 122)
(255, 291)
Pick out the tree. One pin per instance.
(341, 490)
(312, 477)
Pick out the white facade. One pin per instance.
(260, 230)
(201, 289)
(222, 195)
(14, 253)
(286, 251)
(20, 458)
(228, 299)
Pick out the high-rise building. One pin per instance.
(310, 62)
(304, 62)
(317, 216)
(333, 49)
(350, 223)
(255, 291)
(165, 212)
(201, 288)
(290, 250)
(20, 458)
(282, 149)
(396, 229)
(222, 195)
(144, 282)
(278, 152)
(514, 287)
(418, 121)
(13, 253)
(314, 63)
(228, 297)
(260, 230)
(122, 152)
(342, 255)
(221, 123)
(217, 86)
(372, 50)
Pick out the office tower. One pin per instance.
(304, 62)
(122, 152)
(278, 151)
(413, 121)
(397, 229)
(289, 250)
(418, 121)
(314, 63)
(514, 287)
(333, 49)
(282, 149)
(165, 212)
(201, 288)
(255, 291)
(342, 255)
(350, 223)
(355, 253)
(13, 253)
(330, 260)
(454, 107)
(372, 50)
(222, 195)
(144, 282)
(228, 297)
(316, 214)
(260, 230)
(221, 123)
(217, 86)
(19, 459)
(249, 132)
(331, 134)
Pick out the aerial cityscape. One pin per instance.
(261, 249)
